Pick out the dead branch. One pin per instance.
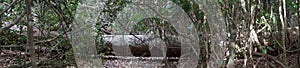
(271, 57)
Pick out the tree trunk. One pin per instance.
(218, 32)
(30, 34)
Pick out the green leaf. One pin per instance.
(269, 48)
(264, 51)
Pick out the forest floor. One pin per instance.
(258, 62)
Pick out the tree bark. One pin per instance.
(218, 32)
(30, 34)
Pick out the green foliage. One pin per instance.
(111, 10)
(12, 37)
(57, 16)
(50, 17)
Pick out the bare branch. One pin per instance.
(12, 4)
(15, 22)
(153, 9)
(271, 57)
(43, 41)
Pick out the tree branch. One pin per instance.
(15, 22)
(12, 4)
(43, 41)
(271, 57)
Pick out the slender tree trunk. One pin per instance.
(218, 32)
(299, 31)
(30, 34)
(282, 13)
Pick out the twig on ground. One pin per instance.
(271, 57)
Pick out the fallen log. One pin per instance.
(143, 45)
